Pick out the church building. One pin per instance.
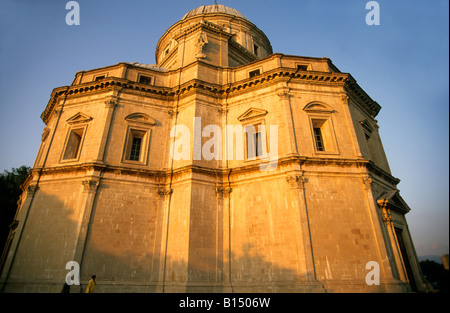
(225, 167)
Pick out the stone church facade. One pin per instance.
(107, 192)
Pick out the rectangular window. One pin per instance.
(255, 144)
(302, 67)
(99, 77)
(323, 138)
(318, 139)
(145, 80)
(73, 144)
(405, 257)
(254, 73)
(134, 146)
(255, 49)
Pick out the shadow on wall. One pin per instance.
(128, 257)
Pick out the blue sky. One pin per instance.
(402, 64)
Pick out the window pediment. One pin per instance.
(79, 118)
(252, 113)
(140, 118)
(366, 126)
(318, 107)
(392, 200)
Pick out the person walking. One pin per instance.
(91, 285)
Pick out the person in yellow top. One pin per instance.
(91, 285)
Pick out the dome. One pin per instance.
(213, 9)
(214, 34)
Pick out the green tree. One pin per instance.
(10, 192)
(436, 275)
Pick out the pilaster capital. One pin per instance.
(31, 189)
(90, 185)
(172, 112)
(367, 182)
(345, 98)
(222, 111)
(164, 192)
(296, 181)
(387, 217)
(45, 133)
(110, 103)
(223, 192)
(284, 93)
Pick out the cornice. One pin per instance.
(374, 169)
(303, 77)
(165, 174)
(56, 93)
(371, 106)
(204, 25)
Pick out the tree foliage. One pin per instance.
(10, 182)
(435, 274)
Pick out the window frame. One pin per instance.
(140, 75)
(263, 140)
(254, 73)
(329, 142)
(136, 131)
(71, 130)
(320, 146)
(99, 77)
(303, 67)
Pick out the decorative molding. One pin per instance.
(368, 129)
(296, 181)
(45, 133)
(318, 107)
(223, 192)
(110, 103)
(31, 189)
(222, 111)
(367, 182)
(164, 192)
(391, 200)
(140, 118)
(284, 93)
(79, 118)
(90, 185)
(387, 217)
(251, 114)
(202, 40)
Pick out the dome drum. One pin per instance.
(213, 30)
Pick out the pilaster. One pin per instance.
(110, 105)
(89, 190)
(297, 184)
